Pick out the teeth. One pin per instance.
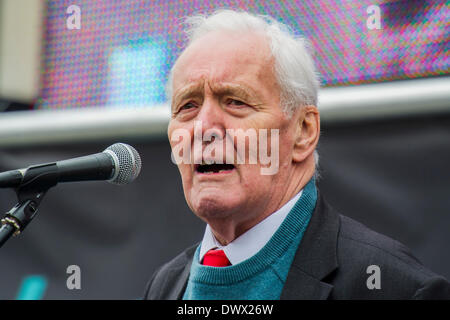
(221, 170)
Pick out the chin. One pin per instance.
(215, 207)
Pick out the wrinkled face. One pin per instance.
(226, 82)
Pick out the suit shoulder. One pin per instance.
(371, 244)
(165, 275)
(361, 251)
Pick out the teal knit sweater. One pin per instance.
(262, 276)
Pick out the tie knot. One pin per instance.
(216, 258)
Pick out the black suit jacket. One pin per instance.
(330, 263)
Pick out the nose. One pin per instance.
(208, 127)
(211, 117)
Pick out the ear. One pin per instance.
(307, 133)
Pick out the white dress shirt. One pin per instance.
(253, 240)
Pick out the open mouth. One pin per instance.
(213, 168)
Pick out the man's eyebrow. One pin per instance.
(221, 89)
(185, 92)
(235, 89)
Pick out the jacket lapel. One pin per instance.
(301, 286)
(315, 258)
(181, 274)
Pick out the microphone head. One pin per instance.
(127, 162)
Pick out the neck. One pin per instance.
(227, 229)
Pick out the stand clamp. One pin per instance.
(30, 194)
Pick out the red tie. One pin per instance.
(216, 258)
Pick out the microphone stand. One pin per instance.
(35, 184)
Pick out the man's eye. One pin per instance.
(236, 102)
(187, 106)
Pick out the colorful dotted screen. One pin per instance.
(123, 50)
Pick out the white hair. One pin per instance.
(294, 66)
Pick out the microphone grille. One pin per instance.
(127, 161)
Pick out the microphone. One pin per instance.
(119, 164)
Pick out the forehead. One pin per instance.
(222, 57)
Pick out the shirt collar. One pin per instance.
(253, 240)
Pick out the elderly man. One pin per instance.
(269, 235)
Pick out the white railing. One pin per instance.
(356, 103)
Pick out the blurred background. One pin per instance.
(79, 75)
